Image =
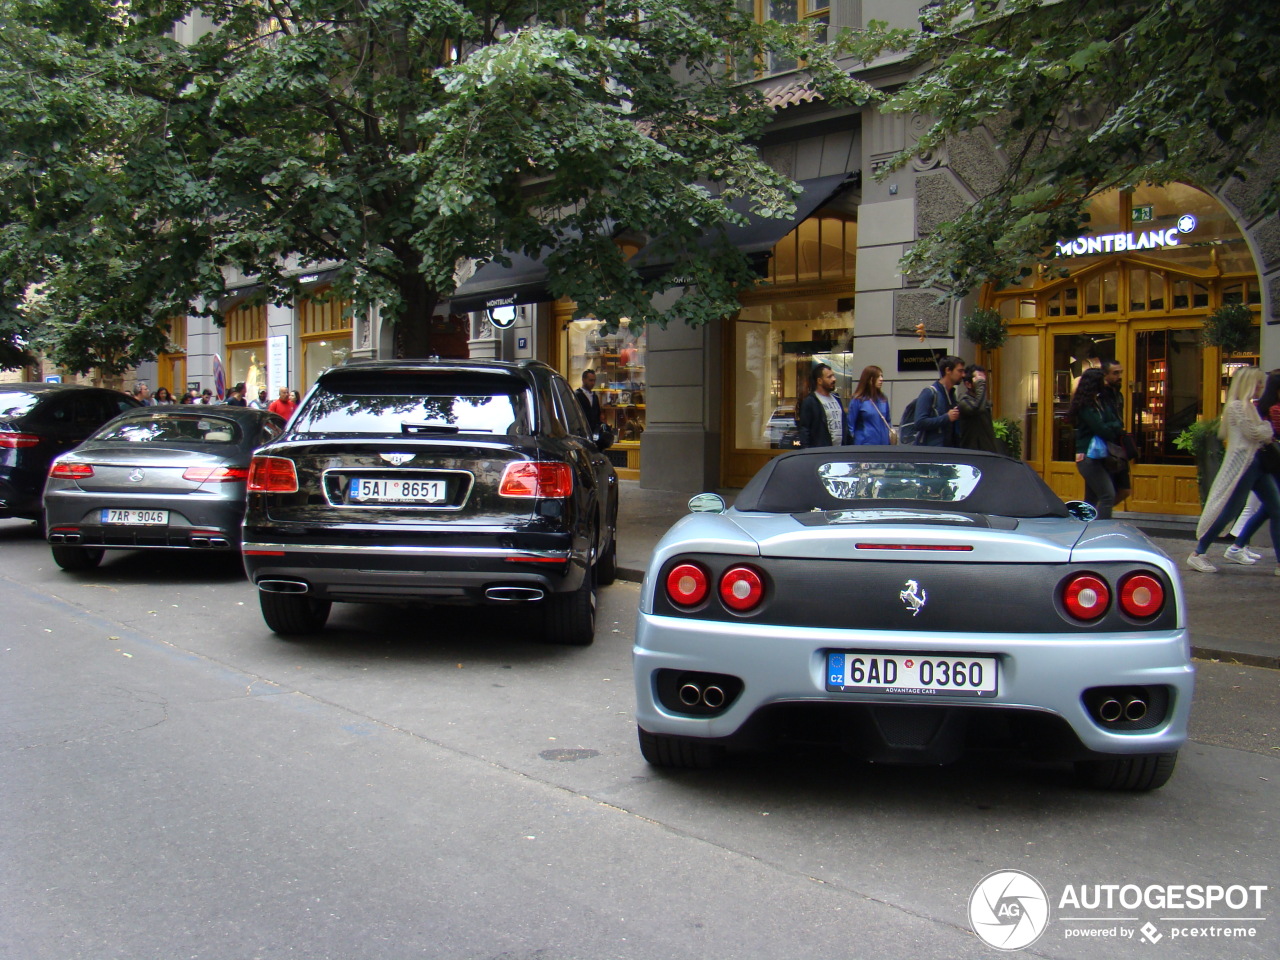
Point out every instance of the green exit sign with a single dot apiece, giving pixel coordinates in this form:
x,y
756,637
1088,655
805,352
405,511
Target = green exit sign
x,y
1143,214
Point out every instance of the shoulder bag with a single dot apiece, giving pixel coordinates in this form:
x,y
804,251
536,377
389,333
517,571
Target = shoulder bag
x,y
893,431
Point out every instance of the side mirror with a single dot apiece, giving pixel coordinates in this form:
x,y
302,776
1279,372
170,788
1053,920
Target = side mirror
x,y
1082,511
707,503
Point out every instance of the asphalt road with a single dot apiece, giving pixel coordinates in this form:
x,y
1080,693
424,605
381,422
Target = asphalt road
x,y
178,782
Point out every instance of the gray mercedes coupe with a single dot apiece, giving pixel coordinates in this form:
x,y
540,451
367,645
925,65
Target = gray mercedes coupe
x,y
909,604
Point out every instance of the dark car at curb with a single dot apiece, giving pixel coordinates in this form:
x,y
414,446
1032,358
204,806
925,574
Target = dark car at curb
x,y
433,482
39,421
162,477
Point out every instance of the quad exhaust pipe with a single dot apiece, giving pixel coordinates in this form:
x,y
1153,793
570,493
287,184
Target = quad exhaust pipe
x,y
710,696
1112,710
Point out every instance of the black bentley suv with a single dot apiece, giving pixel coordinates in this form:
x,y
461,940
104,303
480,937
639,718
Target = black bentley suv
x,y
433,482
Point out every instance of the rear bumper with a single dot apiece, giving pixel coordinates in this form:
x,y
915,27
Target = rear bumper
x,y
389,573
193,524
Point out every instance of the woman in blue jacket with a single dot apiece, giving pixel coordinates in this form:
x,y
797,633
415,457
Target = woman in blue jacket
x,y
868,414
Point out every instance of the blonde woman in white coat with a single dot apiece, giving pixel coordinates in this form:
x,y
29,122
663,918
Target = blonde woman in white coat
x,y
1244,431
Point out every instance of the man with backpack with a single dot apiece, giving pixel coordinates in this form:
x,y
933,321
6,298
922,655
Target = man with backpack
x,y
935,413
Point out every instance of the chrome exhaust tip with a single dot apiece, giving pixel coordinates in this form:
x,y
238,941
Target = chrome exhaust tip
x,y
1135,709
283,586
514,594
690,694
713,697
1109,711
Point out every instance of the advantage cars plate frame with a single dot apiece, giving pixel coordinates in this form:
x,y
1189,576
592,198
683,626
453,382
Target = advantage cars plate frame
x,y
912,673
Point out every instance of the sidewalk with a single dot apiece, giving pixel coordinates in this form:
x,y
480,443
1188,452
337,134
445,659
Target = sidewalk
x,y
1234,614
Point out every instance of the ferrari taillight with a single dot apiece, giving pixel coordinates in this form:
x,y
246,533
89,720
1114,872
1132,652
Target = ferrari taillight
x,y
1086,597
536,478
70,471
272,475
687,584
216,474
1141,595
741,589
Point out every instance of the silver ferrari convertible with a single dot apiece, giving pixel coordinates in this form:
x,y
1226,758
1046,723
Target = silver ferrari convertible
x,y
907,604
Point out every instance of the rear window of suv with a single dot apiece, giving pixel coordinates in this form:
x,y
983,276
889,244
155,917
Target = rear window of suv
x,y
417,403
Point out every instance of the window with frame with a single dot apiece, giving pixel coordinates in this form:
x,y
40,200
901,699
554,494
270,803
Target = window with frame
x,y
816,13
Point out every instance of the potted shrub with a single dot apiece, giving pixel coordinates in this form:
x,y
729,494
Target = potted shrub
x,y
986,328
1202,442
1228,328
1009,433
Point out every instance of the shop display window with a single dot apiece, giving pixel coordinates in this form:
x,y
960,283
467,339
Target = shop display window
x,y
618,359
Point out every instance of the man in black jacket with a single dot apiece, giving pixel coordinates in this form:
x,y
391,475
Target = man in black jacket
x,y
588,399
821,415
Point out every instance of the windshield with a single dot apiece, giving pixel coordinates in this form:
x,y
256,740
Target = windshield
x,y
417,405
172,428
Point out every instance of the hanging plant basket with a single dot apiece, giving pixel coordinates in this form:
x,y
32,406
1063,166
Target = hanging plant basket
x,y
1228,328
986,328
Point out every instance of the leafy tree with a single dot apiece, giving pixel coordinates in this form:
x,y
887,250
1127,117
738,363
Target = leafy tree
x,y
396,139
1081,97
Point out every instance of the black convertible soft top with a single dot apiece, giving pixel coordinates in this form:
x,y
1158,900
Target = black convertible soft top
x,y
845,478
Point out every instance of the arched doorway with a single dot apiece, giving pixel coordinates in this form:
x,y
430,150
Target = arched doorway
x,y
1136,290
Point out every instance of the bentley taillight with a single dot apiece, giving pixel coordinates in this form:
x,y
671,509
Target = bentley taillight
x,y
272,475
1086,597
741,589
687,584
1141,596
10,440
536,478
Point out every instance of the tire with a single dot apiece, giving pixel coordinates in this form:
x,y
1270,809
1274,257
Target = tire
x,y
606,568
291,614
571,617
679,753
77,558
1142,772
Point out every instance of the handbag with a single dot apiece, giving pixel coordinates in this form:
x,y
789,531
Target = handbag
x,y
1109,453
893,431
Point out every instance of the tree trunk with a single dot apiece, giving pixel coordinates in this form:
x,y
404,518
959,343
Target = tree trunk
x,y
413,326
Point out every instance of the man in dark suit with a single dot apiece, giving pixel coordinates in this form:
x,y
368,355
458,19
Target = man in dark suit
x,y
588,400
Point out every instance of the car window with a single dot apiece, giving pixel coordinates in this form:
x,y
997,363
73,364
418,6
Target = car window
x,y
16,403
571,409
172,428
270,430
417,404
873,480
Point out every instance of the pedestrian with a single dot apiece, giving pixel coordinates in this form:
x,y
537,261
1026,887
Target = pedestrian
x,y
237,396
821,415
295,397
977,429
260,402
1244,432
868,415
283,404
1112,376
163,397
1269,407
142,393
1095,424
589,400
935,411
206,396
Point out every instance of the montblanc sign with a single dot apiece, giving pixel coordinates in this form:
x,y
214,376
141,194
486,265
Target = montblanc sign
x,y
1124,242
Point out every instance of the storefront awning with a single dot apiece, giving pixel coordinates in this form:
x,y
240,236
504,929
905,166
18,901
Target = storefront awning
x,y
525,281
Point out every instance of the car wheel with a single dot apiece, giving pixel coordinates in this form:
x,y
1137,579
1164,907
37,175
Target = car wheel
x,y
681,753
1148,771
571,617
77,558
606,568
290,614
